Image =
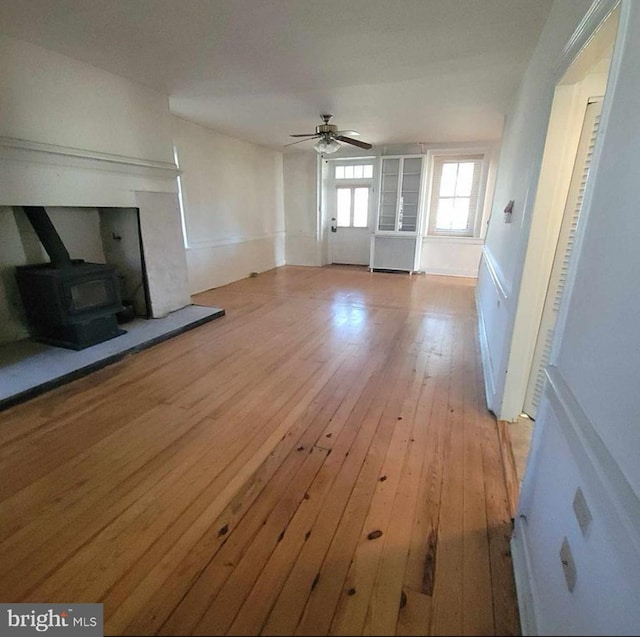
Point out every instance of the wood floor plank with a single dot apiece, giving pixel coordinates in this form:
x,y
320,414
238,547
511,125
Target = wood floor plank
x,y
421,561
476,558
448,575
227,480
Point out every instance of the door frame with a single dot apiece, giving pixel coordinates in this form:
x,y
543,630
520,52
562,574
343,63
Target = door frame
x,y
549,183
330,185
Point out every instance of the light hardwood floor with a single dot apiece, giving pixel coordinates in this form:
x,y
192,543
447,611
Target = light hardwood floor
x,y
320,460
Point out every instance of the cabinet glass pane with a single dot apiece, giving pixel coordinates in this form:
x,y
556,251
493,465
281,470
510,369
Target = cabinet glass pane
x,y
387,219
389,195
389,198
390,184
412,165
409,219
410,183
410,199
390,166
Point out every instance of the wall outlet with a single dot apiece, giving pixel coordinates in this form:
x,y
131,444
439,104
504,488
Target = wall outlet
x,y
568,565
583,514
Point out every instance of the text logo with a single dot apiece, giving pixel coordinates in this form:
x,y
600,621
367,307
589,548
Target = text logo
x,y
79,620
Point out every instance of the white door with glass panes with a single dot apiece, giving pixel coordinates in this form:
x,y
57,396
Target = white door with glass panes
x,y
350,187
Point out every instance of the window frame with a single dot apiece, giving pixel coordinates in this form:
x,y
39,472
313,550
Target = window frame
x,y
474,229
352,204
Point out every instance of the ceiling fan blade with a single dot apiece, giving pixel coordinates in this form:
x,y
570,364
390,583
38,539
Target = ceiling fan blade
x,y
303,135
302,140
349,133
355,142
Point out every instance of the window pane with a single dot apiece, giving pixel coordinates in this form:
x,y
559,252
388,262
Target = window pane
x,y
357,172
465,179
344,207
339,172
368,171
448,180
445,213
453,213
348,172
361,208
460,220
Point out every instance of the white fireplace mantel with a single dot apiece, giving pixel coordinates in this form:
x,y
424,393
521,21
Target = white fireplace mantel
x,y
41,174
24,150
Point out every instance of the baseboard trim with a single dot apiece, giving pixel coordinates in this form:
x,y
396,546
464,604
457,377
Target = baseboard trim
x,y
521,567
509,464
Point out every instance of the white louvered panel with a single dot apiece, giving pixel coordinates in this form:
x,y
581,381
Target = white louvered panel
x,y
562,279
562,259
394,253
539,386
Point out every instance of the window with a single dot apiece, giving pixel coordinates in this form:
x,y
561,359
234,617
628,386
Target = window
x,y
457,193
352,205
354,171
353,181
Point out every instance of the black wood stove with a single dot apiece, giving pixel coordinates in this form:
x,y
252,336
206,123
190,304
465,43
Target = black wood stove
x,y
68,302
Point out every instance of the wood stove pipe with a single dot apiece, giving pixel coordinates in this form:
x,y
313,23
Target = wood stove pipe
x,y
48,236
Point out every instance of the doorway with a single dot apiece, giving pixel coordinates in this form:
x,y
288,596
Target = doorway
x,y
564,248
349,197
585,76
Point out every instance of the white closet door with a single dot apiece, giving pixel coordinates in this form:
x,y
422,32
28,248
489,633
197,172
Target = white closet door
x,y
564,248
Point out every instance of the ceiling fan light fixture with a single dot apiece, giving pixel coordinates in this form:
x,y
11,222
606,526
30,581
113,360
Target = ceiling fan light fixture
x,y
326,147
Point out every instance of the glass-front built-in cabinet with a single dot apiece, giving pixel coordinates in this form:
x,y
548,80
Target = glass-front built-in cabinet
x,y
396,243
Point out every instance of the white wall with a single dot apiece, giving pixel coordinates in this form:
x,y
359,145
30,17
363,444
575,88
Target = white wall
x,y
53,99
301,208
232,193
451,256
586,434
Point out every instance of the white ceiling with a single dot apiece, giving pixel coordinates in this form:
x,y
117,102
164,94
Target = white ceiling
x,y
397,71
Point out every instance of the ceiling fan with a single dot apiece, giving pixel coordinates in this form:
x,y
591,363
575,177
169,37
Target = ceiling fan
x,y
329,137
